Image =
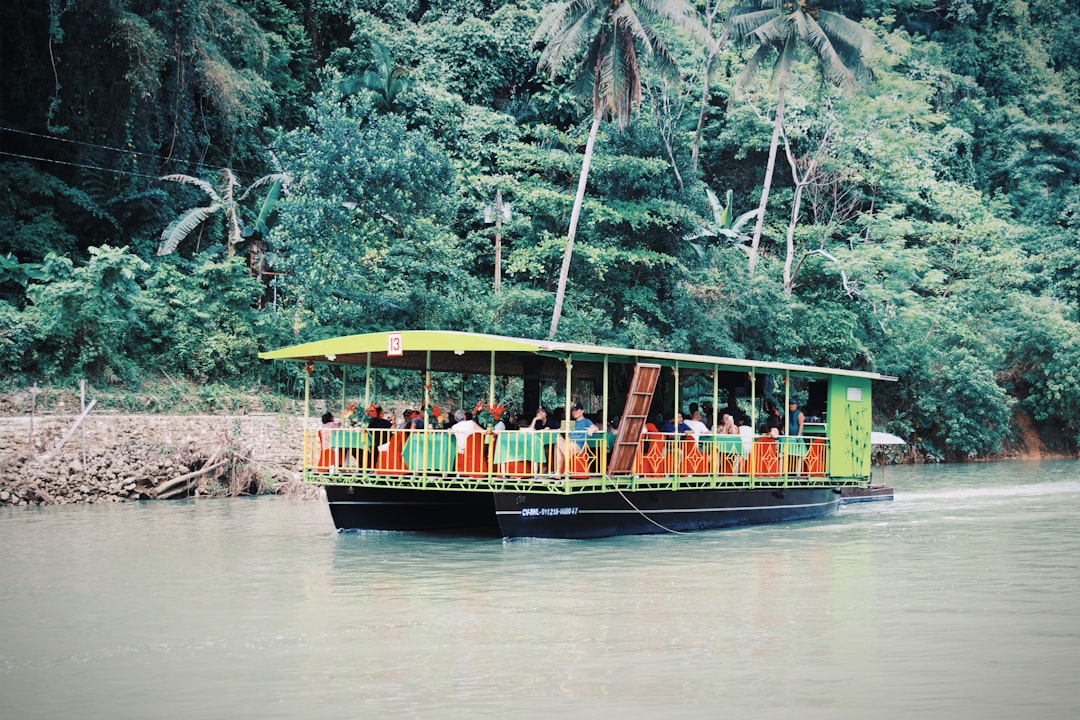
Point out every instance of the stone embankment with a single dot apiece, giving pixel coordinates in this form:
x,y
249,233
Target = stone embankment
x,y
115,458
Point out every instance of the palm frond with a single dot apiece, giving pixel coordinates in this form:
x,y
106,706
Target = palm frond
x,y
775,32
660,59
571,28
714,204
203,185
838,27
752,66
228,196
832,66
182,226
269,202
742,26
788,56
279,178
852,42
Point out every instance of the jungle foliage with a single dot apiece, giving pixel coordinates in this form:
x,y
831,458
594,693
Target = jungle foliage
x,y
187,182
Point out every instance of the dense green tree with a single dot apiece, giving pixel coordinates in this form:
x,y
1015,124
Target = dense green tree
x,y
362,236
198,334
88,318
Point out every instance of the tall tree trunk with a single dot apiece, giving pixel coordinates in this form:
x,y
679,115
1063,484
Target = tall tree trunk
x,y
796,208
710,55
575,214
665,136
777,124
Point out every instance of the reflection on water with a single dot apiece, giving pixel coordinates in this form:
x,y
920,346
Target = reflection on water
x,y
959,598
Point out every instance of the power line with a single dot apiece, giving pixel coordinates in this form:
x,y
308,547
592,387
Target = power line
x,y
134,153
78,165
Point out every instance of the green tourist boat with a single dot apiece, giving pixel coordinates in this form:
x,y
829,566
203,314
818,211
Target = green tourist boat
x,y
609,468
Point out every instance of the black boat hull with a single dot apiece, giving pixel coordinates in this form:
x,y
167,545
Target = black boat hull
x,y
578,515
649,512
360,508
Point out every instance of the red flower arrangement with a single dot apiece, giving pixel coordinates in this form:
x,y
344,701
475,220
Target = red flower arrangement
x,y
487,415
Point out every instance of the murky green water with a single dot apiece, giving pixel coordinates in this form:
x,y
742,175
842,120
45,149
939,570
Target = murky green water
x,y
960,599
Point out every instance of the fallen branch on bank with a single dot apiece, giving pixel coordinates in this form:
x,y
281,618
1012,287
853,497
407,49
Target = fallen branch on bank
x,y
183,485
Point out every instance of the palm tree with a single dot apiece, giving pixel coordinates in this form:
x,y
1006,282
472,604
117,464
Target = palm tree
x,y
839,44
612,38
387,80
223,201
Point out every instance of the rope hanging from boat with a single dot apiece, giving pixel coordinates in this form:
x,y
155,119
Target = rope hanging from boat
x,y
642,514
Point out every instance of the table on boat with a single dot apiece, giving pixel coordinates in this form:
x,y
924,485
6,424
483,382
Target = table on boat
x,y
524,445
349,438
430,451
729,444
795,446
595,441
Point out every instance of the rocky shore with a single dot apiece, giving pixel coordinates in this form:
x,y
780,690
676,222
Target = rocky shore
x,y
53,459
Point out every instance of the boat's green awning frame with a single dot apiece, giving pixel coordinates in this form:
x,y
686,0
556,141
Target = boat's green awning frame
x,y
463,352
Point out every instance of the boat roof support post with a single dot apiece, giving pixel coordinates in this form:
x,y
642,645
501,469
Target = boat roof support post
x,y
367,383
344,377
715,394
678,399
753,400
427,388
491,381
569,362
307,393
787,402
604,412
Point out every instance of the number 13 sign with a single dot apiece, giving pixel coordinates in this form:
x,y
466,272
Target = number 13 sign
x,y
393,345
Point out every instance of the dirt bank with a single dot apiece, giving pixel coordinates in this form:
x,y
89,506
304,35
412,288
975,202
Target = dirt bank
x,y
113,458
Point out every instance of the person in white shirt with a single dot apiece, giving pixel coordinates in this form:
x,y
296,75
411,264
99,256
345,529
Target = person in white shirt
x,y
462,429
746,434
697,427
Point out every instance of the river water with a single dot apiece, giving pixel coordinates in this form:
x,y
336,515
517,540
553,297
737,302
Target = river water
x,y
960,599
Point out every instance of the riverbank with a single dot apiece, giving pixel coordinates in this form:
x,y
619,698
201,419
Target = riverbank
x,y
54,459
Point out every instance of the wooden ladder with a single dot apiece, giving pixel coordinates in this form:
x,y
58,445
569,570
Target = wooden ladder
x,y
634,416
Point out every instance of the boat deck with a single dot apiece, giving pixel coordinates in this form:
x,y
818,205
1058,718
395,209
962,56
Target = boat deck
x,y
524,462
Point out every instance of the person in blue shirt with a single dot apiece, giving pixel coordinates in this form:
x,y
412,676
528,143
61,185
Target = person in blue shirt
x,y
796,448
670,426
795,419
575,439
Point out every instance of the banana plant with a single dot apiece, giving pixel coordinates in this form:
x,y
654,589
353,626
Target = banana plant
x,y
722,226
224,201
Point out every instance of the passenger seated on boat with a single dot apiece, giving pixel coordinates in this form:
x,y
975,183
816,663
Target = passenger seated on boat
x,y
574,441
697,427
675,424
542,420
411,420
379,427
462,428
707,414
746,435
328,456
727,425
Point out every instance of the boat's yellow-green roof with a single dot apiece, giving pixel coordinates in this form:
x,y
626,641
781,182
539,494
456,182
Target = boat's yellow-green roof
x,y
454,351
